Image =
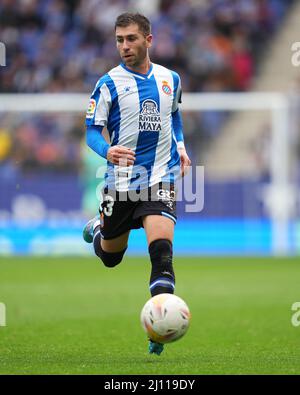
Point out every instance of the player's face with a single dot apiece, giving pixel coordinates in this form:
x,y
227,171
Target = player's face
x,y
132,45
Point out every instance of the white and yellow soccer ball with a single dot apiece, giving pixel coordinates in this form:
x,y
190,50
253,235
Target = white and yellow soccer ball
x,y
165,318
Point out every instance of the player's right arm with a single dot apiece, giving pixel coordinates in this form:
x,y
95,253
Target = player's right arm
x,y
96,119
116,154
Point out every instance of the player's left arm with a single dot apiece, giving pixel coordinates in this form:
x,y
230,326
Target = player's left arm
x,y
177,123
185,161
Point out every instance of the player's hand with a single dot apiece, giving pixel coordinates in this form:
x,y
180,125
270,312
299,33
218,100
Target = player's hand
x,y
185,161
120,155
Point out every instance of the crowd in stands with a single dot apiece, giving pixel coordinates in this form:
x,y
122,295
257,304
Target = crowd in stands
x,y
43,142
64,46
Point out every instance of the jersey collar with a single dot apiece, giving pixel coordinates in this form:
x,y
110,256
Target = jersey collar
x,y
140,75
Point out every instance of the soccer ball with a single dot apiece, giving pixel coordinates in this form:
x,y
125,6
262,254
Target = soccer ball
x,y
165,318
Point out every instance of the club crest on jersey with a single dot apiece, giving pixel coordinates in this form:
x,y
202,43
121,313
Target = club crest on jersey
x,y
149,119
91,108
166,88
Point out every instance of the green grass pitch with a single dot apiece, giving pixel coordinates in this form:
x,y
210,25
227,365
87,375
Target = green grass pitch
x,y
74,316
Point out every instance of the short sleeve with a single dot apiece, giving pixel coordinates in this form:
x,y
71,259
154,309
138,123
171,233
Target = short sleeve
x,y
99,106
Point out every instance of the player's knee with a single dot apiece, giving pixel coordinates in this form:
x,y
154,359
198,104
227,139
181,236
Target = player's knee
x,y
111,259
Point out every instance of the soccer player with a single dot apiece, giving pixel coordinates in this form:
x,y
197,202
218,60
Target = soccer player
x,y
137,102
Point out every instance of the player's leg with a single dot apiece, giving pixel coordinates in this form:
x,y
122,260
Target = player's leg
x,y
109,231
111,251
160,232
159,216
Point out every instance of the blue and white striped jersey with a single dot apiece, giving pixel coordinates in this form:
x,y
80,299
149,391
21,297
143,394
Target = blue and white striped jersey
x,y
137,111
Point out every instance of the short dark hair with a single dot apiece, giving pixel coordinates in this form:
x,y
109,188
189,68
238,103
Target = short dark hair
x,y
129,18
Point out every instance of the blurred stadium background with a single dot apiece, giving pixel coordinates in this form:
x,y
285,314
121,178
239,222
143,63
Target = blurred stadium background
x,y
248,145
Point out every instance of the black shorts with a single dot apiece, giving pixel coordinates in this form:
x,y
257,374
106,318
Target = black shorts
x,y
122,211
